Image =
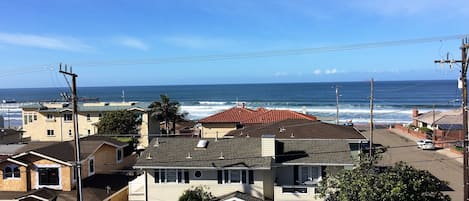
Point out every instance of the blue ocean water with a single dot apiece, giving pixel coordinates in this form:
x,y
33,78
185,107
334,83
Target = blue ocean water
x,y
393,100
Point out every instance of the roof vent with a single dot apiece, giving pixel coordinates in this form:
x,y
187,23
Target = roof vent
x,y
282,129
157,143
148,156
202,144
189,156
292,135
221,156
247,135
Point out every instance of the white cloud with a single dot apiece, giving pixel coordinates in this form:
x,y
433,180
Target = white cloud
x,y
132,42
317,72
46,42
331,71
197,42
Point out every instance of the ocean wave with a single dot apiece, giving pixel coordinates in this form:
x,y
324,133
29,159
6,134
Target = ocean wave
x,y
213,102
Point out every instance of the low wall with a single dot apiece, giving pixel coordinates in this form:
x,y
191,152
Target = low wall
x,y
121,195
440,138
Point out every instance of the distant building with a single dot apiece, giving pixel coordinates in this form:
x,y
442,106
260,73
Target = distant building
x,y
10,136
53,121
445,125
220,124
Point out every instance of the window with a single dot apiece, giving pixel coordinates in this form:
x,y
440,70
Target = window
x,y
30,118
100,115
171,176
89,132
11,171
35,117
88,117
91,166
48,176
119,155
70,132
235,176
198,174
50,117
67,117
25,118
50,132
310,174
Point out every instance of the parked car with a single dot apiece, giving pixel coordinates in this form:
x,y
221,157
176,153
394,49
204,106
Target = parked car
x,y
425,144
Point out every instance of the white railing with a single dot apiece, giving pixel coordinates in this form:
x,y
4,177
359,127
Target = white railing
x,y
137,188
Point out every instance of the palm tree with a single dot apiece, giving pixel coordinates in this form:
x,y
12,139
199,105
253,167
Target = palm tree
x,y
166,110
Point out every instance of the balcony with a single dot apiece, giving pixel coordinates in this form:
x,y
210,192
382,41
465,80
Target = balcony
x,y
295,192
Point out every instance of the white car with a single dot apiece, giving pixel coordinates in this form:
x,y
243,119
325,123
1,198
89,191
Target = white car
x,y
425,144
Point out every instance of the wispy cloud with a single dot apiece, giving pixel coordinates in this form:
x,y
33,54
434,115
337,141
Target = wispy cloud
x,y
317,72
46,42
131,42
330,71
326,71
197,42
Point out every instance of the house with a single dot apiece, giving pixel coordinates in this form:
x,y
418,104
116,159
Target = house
x,y
53,121
52,165
10,136
275,166
445,125
220,124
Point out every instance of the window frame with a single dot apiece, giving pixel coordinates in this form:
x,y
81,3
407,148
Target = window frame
x,y
121,151
244,176
310,174
91,167
181,176
12,175
50,133
68,117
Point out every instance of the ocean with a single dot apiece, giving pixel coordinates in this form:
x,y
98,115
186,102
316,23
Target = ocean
x,y
393,100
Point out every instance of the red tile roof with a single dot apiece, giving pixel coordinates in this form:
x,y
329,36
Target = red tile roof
x,y
258,116
271,116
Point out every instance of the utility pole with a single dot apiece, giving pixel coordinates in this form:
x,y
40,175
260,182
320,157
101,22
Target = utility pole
x,y
463,80
337,104
371,119
75,129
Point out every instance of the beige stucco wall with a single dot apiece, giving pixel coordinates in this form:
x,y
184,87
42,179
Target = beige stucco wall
x,y
13,184
209,130
37,129
158,191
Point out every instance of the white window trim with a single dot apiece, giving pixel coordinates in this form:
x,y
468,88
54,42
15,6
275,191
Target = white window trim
x,y
117,155
240,177
53,133
310,173
94,166
166,176
57,187
67,120
12,172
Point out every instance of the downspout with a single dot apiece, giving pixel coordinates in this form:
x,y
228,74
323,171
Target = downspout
x,y
146,186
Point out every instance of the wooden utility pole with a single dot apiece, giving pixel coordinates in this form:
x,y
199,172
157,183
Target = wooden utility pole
x,y
371,118
337,104
75,130
463,80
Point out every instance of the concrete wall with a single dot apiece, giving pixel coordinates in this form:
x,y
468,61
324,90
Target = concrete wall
x,y
121,195
14,184
209,130
172,191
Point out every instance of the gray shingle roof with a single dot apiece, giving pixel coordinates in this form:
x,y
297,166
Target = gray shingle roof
x,y
173,152
301,129
313,151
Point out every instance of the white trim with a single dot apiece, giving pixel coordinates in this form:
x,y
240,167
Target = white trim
x,y
12,167
35,197
310,170
177,171
94,166
117,155
57,187
49,158
17,162
200,168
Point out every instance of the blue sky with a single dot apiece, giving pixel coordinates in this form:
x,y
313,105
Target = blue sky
x,y
97,37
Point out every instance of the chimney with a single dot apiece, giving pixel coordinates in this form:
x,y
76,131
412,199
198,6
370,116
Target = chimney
x,y
268,145
415,114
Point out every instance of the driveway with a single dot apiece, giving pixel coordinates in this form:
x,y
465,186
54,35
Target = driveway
x,y
403,149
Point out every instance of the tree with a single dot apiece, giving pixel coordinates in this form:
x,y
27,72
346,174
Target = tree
x,y
167,111
119,122
372,183
198,193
